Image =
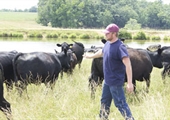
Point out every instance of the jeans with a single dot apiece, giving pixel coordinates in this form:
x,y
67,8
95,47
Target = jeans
x,y
117,94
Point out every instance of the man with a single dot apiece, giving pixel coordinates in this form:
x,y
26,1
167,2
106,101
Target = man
x,y
116,64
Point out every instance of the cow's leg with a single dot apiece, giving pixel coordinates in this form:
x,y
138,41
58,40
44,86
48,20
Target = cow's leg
x,y
166,71
92,85
61,73
147,84
53,82
5,107
79,63
134,85
163,75
9,85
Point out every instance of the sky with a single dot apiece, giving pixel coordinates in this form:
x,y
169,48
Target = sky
x,y
26,4
17,4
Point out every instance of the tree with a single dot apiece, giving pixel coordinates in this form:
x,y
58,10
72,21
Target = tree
x,y
132,25
33,9
100,13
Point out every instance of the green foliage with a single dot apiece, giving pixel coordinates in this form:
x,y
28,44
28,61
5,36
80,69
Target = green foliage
x,y
98,14
73,35
35,35
166,38
38,35
140,36
156,38
132,25
84,36
99,37
11,34
64,35
52,35
125,34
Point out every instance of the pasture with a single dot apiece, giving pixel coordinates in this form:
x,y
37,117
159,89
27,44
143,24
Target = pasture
x,y
70,99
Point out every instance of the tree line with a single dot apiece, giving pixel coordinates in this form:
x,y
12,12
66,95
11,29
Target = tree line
x,y
99,13
32,9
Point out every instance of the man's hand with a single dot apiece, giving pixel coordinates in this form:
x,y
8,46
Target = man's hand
x,y
130,87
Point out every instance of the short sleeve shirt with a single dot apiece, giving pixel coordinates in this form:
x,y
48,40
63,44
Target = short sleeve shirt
x,y
113,67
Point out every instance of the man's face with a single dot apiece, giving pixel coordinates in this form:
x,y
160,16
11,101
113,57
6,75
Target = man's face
x,y
110,36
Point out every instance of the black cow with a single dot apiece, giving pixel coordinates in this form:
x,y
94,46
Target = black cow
x,y
6,61
164,52
4,104
96,78
78,49
142,62
67,47
40,67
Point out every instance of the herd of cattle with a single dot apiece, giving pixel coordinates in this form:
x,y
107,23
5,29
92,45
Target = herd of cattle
x,y
41,67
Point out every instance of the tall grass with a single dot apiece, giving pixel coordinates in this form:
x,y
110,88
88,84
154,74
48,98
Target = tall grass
x,y
70,99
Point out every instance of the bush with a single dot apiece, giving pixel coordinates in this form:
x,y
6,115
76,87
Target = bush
x,y
38,35
84,36
140,36
4,34
156,38
17,35
31,35
166,38
52,35
99,37
63,36
72,35
124,34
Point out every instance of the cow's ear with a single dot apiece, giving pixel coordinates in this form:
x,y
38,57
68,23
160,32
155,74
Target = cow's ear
x,y
59,45
104,41
159,51
122,39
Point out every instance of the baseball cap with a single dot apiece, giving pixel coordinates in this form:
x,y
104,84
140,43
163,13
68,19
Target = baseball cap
x,y
111,28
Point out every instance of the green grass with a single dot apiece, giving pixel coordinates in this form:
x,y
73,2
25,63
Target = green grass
x,y
18,16
18,20
70,99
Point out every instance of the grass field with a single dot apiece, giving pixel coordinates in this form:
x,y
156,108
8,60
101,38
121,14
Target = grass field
x,y
70,99
19,20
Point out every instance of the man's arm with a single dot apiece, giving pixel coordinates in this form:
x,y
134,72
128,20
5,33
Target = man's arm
x,y
127,64
95,55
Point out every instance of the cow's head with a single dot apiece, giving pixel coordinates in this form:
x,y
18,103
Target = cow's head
x,y
67,60
64,46
155,53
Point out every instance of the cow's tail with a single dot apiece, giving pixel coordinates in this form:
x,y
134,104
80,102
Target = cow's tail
x,y
14,66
